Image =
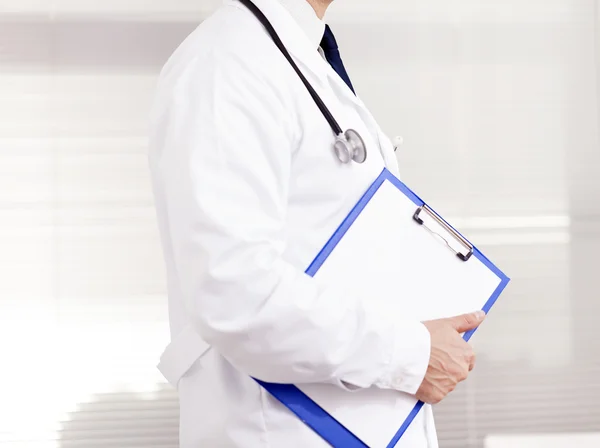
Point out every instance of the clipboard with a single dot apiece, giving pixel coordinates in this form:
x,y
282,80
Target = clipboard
x,y
391,232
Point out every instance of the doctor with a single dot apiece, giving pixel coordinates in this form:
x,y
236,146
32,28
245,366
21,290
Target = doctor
x,y
248,189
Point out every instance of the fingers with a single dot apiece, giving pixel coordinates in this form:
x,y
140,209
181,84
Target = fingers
x,y
467,322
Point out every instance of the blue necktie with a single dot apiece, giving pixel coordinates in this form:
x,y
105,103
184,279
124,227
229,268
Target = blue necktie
x,y
332,54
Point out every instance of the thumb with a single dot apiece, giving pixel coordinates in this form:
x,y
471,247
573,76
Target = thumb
x,y
467,322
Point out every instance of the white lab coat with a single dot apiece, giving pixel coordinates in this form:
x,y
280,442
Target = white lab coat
x,y
248,189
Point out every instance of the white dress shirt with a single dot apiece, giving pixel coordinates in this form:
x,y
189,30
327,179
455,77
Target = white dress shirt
x,y
307,18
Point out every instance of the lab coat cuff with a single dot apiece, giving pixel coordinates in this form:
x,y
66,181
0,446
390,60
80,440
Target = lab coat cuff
x,y
410,359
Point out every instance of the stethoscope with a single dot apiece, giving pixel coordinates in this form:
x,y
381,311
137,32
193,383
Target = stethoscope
x,y
348,145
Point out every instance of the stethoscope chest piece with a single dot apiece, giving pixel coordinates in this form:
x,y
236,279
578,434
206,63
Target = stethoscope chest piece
x,y
350,147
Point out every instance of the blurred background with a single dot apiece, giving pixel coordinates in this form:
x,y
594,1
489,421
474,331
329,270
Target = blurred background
x,y
497,102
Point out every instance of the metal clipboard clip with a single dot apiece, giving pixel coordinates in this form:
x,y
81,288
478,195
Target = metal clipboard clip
x,y
437,227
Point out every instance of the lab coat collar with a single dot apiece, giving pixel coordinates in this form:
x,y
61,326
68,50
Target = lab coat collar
x,y
302,48
295,39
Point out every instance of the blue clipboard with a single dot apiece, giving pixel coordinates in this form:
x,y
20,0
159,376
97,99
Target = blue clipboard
x,y
309,412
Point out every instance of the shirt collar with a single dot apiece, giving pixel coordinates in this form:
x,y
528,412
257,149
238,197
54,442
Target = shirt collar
x,y
307,19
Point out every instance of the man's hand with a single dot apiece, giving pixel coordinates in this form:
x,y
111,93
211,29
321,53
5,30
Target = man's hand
x,y
451,357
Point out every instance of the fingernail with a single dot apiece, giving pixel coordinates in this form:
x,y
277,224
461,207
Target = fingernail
x,y
480,314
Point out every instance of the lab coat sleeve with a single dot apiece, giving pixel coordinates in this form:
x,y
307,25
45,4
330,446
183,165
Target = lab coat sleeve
x,y
227,139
